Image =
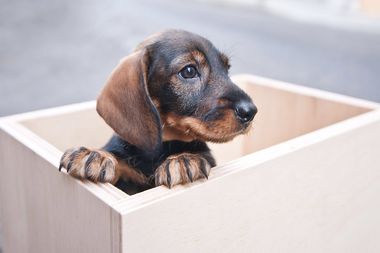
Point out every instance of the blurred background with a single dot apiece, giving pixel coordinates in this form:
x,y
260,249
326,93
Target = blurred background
x,y
61,52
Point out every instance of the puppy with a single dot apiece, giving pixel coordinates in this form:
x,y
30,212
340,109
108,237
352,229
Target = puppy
x,y
164,101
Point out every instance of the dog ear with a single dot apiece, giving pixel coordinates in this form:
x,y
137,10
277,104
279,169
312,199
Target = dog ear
x,y
126,106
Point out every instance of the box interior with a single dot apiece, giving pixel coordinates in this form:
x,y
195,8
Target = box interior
x,y
281,191
283,114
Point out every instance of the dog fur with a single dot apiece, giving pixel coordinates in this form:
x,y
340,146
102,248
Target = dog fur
x,y
164,102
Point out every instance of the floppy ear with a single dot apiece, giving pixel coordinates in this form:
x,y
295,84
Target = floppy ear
x,y
126,106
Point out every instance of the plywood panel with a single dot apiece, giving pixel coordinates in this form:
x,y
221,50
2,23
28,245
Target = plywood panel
x,y
43,210
72,129
286,111
318,193
322,197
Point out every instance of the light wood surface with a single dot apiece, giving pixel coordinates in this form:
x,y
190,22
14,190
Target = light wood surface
x,y
319,193
286,111
43,210
82,127
314,189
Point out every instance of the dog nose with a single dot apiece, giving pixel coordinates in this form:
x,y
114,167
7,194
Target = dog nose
x,y
245,111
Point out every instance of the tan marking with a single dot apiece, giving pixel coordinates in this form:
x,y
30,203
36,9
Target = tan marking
x,y
178,171
175,169
183,172
130,174
189,128
78,164
183,60
198,57
161,175
171,133
114,168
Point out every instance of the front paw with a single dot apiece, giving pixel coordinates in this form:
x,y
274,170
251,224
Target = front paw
x,y
182,169
95,165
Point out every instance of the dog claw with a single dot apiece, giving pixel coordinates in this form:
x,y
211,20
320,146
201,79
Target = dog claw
x,y
203,168
102,175
169,177
68,168
188,170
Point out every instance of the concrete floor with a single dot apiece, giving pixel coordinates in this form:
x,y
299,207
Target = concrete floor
x,y
57,52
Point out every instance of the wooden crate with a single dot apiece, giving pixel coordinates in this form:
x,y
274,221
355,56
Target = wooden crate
x,y
305,180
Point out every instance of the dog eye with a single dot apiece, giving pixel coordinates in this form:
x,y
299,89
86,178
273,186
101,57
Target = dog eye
x,y
188,72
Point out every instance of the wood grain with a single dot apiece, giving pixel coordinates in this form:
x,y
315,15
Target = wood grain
x,y
322,197
43,210
305,180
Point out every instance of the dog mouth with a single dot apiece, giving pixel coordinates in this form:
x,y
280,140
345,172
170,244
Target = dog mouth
x,y
217,128
220,134
218,137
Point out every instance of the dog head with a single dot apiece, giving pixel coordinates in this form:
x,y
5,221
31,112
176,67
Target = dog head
x,y
174,86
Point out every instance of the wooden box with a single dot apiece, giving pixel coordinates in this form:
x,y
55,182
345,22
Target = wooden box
x,y
307,179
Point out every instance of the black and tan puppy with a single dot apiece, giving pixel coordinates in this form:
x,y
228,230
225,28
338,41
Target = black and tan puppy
x,y
164,101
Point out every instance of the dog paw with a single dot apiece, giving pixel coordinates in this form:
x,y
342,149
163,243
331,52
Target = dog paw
x,y
94,165
181,169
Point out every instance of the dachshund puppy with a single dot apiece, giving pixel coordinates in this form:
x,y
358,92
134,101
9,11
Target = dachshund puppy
x,y
164,101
